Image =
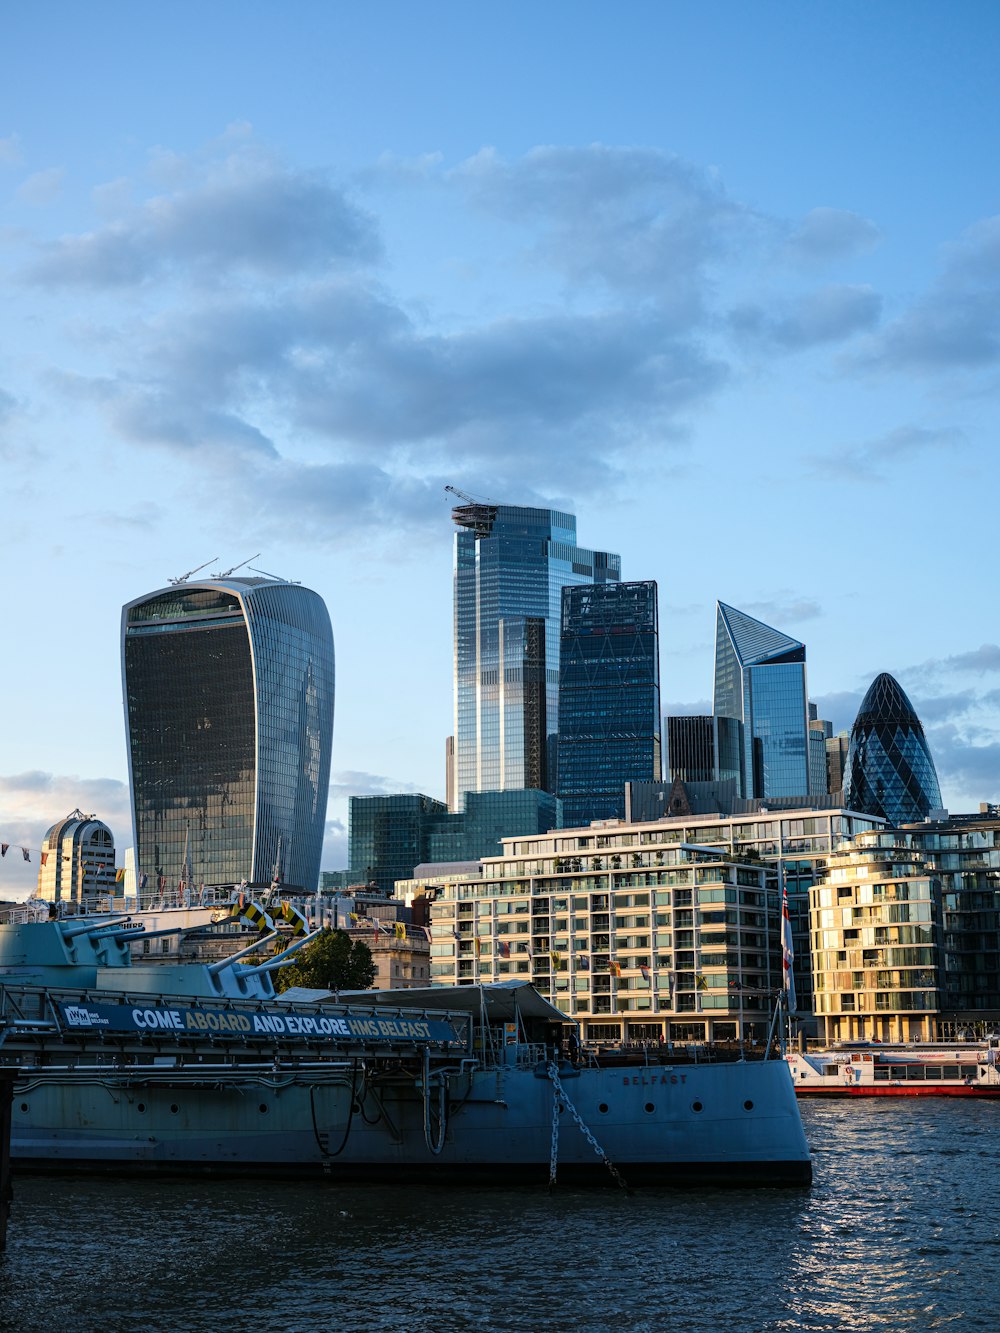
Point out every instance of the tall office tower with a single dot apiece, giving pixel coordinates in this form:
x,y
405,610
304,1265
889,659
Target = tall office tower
x,y
511,565
609,697
760,679
836,761
691,748
229,714
820,732
890,772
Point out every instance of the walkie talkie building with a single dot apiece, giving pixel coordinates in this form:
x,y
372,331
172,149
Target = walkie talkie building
x,y
229,689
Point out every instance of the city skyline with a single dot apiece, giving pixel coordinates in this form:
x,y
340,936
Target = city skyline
x,y
739,320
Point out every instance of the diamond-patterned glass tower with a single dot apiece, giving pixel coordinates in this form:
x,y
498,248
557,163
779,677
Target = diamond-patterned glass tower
x,y
760,679
609,697
889,770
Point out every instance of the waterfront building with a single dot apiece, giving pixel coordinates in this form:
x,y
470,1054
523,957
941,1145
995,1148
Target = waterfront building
x,y
511,565
906,933
606,888
890,772
229,692
389,835
77,861
609,697
760,679
638,942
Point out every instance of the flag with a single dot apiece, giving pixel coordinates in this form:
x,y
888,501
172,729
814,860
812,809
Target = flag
x,y
353,916
787,952
45,857
504,949
479,946
375,926
615,969
400,930
4,848
556,960
25,853
527,950
142,881
645,973
736,985
119,874
163,885
455,933
427,932
699,981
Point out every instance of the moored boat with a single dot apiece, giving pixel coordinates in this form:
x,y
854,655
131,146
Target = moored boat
x,y
940,1069
179,1067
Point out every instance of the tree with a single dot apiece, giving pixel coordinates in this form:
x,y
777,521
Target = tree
x,y
332,962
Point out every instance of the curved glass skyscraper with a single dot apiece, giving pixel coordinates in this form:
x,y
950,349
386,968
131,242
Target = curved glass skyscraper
x,y
229,687
889,770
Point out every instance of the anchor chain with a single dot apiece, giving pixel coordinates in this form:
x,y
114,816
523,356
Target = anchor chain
x,y
560,1095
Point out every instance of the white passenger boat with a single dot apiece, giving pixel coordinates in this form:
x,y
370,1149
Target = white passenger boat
x,y
180,1067
939,1069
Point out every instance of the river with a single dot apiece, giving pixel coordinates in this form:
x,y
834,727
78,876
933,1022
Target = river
x,y
901,1230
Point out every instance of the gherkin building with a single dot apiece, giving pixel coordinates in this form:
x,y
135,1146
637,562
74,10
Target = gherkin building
x,y
889,770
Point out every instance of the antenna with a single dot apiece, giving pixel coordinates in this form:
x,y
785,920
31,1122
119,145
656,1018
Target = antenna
x,y
277,577
224,573
184,577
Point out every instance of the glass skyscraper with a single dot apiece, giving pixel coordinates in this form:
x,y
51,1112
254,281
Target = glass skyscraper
x,y
609,697
889,770
511,565
760,679
229,687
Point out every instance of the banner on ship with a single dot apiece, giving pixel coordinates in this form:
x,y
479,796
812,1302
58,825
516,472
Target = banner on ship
x,y
185,1020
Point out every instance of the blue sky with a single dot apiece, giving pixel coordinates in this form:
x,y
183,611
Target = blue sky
x,y
721,278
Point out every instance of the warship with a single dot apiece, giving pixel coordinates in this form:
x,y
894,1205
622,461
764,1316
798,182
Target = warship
x,y
201,1067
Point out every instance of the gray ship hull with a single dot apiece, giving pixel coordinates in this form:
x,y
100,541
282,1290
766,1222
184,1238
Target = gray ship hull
x,y
731,1123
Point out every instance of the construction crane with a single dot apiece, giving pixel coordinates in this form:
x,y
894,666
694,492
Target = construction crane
x,y
184,577
469,499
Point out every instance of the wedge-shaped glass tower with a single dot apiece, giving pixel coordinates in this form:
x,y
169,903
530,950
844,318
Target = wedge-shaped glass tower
x,y
229,710
889,770
760,680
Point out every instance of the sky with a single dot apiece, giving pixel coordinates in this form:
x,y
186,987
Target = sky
x,y
721,279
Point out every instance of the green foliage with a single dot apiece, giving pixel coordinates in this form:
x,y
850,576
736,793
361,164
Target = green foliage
x,y
332,962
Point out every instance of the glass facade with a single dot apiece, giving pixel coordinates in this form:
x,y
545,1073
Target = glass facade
x,y
609,697
390,835
889,770
704,749
229,691
760,680
511,565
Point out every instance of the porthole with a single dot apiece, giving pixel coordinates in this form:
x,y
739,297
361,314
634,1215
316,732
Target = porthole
x,y
24,1106
603,1108
748,1106
262,1108
141,1106
174,1108
697,1106
648,1107
356,1108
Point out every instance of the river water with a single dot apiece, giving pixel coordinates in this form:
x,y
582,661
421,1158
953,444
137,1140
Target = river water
x,y
901,1230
